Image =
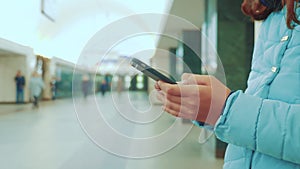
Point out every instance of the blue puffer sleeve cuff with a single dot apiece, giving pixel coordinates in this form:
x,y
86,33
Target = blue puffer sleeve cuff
x,y
203,125
239,116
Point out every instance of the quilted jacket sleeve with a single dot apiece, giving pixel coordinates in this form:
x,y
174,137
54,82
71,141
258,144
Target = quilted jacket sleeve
x,y
267,126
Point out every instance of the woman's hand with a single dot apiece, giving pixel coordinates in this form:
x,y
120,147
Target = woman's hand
x,y
196,97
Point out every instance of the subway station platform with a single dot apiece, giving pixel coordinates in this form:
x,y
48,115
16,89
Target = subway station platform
x,y
51,137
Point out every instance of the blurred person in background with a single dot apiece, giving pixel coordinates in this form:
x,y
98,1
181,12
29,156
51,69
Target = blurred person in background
x,y
260,125
20,84
85,85
53,88
103,87
120,85
36,86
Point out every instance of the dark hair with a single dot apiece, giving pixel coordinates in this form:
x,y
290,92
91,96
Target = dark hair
x,y
261,9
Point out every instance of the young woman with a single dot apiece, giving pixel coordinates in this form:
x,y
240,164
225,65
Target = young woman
x,y
262,124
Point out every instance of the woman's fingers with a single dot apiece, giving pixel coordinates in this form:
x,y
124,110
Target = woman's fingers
x,y
184,111
178,90
190,79
186,76
172,112
185,107
156,86
160,96
167,88
203,100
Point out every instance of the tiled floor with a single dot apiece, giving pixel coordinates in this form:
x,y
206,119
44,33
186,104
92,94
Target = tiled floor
x,y
52,137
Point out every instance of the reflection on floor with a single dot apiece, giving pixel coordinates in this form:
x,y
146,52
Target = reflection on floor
x,y
52,137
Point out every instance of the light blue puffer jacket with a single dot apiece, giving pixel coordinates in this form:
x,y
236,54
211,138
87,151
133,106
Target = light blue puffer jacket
x,y
262,125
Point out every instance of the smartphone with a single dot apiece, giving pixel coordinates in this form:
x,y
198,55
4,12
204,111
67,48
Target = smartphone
x,y
149,71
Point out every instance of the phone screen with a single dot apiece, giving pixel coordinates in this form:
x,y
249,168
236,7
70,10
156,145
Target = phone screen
x,y
149,71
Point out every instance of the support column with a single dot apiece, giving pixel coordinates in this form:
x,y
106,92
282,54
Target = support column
x,y
235,46
173,63
192,51
46,75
